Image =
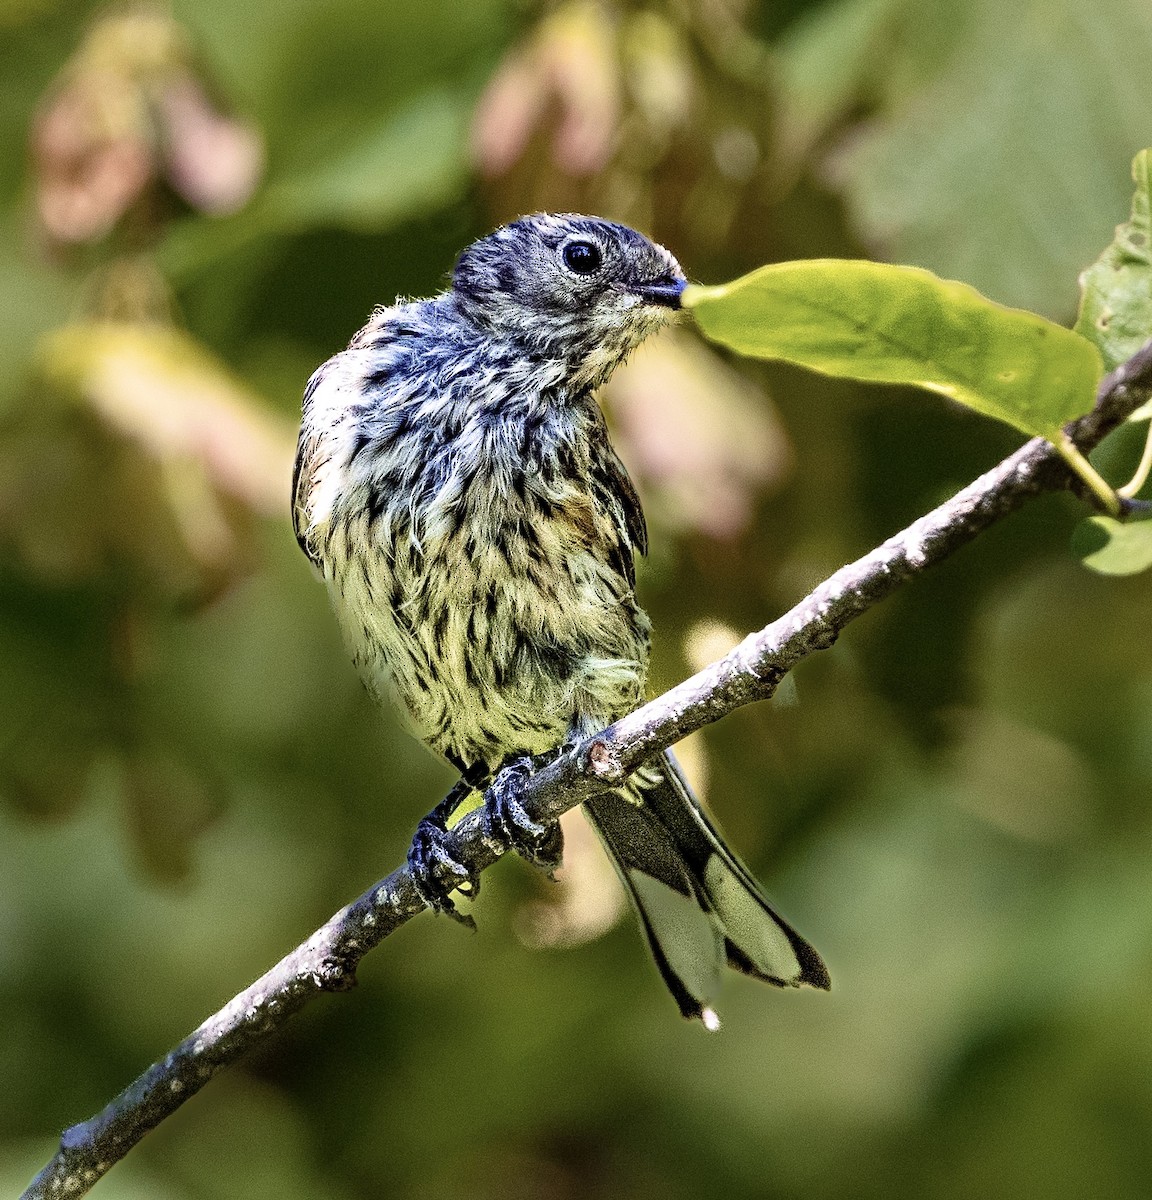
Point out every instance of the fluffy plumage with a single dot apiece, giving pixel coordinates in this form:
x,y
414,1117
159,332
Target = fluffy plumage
x,y
457,489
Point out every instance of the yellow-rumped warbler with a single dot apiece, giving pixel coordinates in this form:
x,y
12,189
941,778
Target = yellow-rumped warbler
x,y
457,489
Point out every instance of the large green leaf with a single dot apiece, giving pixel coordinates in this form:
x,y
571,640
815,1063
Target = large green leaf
x,y
1116,291
889,324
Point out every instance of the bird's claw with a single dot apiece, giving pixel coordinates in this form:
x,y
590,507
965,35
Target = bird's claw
x,y
505,817
436,874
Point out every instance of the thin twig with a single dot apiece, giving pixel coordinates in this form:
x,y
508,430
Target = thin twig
x,y
327,961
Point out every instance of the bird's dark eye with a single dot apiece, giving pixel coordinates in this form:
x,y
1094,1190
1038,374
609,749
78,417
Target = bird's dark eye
x,y
584,258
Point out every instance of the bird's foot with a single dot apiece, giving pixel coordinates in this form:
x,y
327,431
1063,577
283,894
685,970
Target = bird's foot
x,y
435,873
541,844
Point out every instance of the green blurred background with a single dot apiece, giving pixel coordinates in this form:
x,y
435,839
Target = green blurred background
x,y
200,203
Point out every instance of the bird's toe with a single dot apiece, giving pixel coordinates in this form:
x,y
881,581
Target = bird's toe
x,y
436,874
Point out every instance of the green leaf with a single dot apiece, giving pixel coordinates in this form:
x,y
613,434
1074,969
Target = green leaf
x,y
888,324
1116,291
1111,547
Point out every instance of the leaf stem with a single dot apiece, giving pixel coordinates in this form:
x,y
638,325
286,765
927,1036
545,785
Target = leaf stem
x,y
1100,487
1142,471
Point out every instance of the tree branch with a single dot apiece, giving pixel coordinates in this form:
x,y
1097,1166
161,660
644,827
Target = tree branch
x,y
327,961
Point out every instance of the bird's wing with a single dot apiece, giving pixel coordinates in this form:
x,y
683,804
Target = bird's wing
x,y
617,490
634,523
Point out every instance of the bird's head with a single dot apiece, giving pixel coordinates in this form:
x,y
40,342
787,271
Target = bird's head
x,y
568,288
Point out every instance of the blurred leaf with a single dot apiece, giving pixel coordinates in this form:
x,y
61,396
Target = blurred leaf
x,y
31,301
658,71
382,172
253,1132
15,12
170,803
411,160
824,64
999,166
1022,780
135,448
887,324
54,693
44,768
1111,547
1116,291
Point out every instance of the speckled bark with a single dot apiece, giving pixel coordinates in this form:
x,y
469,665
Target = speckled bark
x,y
327,961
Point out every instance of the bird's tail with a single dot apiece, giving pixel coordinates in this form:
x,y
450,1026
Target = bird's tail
x,y
698,904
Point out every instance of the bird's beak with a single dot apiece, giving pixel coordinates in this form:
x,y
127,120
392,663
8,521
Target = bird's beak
x,y
665,291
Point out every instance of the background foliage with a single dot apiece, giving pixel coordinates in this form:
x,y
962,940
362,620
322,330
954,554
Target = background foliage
x,y
202,202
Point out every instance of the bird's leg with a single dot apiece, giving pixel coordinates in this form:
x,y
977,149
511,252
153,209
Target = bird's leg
x,y
435,873
541,845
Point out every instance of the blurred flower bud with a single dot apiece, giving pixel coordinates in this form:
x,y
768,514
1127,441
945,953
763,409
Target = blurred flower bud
x,y
126,114
708,641
703,440
567,72
213,161
656,116
91,164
